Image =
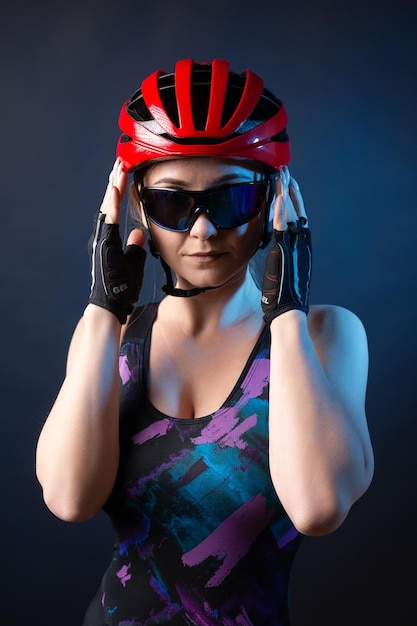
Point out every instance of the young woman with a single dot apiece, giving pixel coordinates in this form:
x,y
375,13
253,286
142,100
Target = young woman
x,y
220,425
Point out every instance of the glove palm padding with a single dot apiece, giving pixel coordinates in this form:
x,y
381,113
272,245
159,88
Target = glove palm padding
x,y
116,275
286,283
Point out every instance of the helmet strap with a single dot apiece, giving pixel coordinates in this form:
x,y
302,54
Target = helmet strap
x,y
169,288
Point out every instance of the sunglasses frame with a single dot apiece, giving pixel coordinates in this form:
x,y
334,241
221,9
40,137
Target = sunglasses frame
x,y
200,207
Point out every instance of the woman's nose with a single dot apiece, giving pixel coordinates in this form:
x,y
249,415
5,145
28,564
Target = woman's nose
x,y
203,227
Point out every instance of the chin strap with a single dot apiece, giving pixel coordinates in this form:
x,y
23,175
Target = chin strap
x,y
169,288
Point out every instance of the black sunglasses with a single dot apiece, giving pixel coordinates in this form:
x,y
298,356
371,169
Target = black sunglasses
x,y
229,206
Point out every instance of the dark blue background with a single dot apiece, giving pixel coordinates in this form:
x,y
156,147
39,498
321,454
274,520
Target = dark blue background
x,y
347,74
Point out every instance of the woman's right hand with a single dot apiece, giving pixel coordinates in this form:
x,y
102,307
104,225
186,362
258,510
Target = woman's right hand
x,y
116,275
113,196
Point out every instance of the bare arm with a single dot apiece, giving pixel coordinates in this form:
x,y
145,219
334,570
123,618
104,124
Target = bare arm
x,y
320,453
321,457
78,448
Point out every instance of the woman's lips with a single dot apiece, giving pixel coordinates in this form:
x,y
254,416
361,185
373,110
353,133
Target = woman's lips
x,y
206,257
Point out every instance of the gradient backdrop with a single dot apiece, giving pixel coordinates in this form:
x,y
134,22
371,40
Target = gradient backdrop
x,y
347,75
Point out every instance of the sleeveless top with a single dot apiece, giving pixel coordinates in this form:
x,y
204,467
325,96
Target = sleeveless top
x,y
201,536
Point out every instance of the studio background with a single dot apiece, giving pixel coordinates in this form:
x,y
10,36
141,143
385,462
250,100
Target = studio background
x,y
346,73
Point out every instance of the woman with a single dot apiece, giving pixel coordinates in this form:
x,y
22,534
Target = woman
x,y
234,422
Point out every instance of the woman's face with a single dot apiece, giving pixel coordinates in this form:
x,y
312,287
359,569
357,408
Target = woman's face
x,y
205,255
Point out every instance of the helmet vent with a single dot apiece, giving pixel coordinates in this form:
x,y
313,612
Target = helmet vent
x,y
282,136
137,108
233,96
200,94
169,97
266,108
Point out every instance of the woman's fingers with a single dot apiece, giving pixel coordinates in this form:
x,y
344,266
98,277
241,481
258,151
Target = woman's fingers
x,y
113,196
137,237
289,204
297,199
284,210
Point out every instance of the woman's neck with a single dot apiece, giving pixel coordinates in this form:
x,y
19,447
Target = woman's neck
x,y
235,303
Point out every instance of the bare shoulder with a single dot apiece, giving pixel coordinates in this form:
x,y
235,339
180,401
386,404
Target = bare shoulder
x,y
329,324
340,341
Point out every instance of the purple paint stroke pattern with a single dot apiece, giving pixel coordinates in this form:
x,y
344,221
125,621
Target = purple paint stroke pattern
x,y
157,429
252,517
226,418
124,574
124,370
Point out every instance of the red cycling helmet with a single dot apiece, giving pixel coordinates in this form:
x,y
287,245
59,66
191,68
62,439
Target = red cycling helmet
x,y
203,109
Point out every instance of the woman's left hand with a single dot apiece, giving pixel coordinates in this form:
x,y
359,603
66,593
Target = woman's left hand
x,y
287,277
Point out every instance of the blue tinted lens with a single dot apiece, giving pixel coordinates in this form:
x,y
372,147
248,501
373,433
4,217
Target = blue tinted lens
x,y
169,208
237,204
